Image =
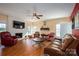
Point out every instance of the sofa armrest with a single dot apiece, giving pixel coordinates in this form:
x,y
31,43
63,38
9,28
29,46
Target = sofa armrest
x,y
53,51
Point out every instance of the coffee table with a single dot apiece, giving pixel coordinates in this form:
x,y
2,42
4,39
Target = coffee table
x,y
38,41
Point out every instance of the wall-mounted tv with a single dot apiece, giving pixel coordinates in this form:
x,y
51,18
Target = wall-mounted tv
x,y
18,25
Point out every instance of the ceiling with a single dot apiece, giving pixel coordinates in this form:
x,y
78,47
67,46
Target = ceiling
x,y
48,10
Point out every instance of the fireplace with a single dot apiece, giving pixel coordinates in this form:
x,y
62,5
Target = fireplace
x,y
18,35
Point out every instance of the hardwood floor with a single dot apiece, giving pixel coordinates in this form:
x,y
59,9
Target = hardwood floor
x,y
24,48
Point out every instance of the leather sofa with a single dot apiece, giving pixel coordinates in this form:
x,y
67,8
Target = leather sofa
x,y
75,32
58,48
7,39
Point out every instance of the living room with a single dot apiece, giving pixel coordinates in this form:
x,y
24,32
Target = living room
x,y
31,21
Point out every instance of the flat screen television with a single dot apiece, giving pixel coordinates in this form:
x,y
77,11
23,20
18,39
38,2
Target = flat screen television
x,y
18,25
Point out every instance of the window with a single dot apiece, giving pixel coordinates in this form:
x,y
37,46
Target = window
x,y
31,30
34,29
58,30
2,27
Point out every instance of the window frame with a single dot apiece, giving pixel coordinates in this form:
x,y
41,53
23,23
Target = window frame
x,y
5,26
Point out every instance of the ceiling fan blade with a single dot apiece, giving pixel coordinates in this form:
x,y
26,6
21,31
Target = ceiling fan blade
x,y
37,17
40,15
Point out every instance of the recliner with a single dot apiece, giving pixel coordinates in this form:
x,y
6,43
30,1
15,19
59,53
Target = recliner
x,y
7,39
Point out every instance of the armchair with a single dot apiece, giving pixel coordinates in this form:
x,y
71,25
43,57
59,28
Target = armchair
x,y
7,39
36,35
51,36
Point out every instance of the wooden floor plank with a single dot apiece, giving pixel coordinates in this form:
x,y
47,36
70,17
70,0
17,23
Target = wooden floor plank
x,y
24,48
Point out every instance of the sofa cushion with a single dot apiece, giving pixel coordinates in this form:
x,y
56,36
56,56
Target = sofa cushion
x,y
67,40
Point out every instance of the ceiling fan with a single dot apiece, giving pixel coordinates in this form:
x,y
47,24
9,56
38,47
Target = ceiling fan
x,y
37,15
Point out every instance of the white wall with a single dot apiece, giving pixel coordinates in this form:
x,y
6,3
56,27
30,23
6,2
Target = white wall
x,y
13,30
9,22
